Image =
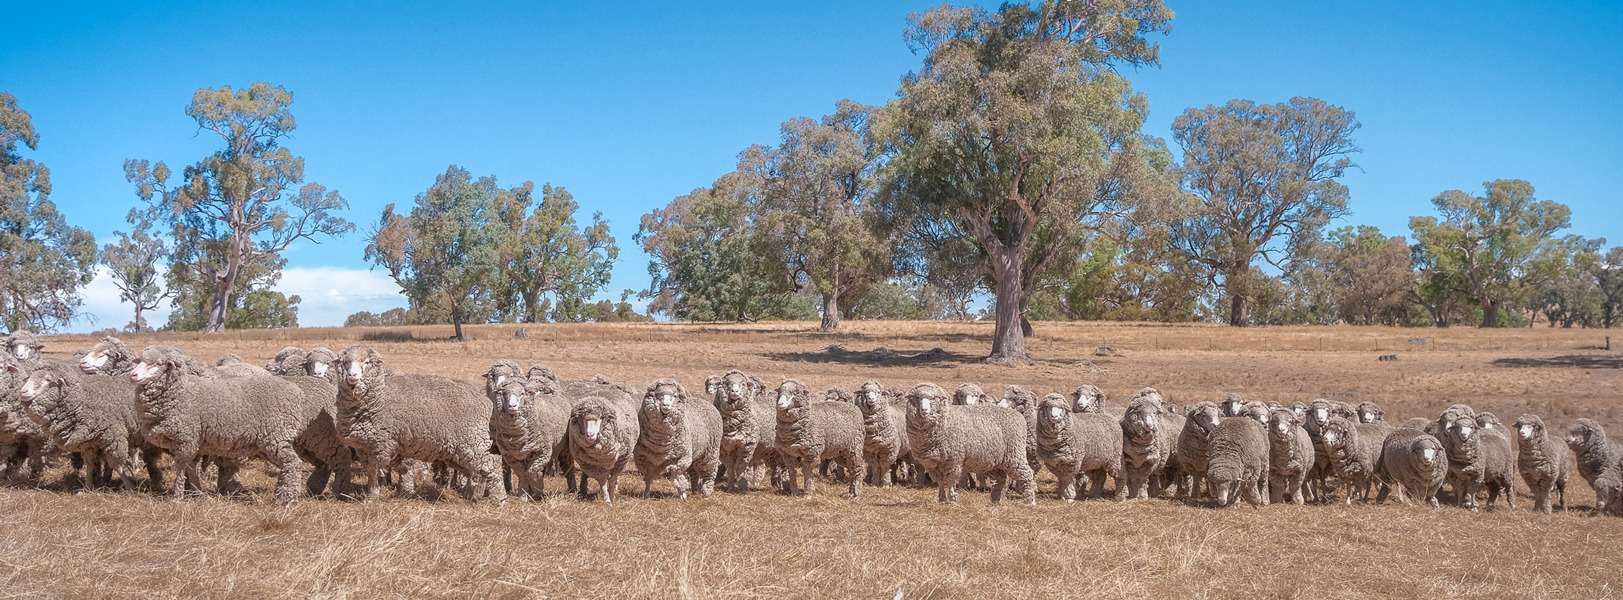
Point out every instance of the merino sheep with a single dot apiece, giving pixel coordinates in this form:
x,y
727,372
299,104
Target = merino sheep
x,y
93,415
1022,401
1079,445
949,441
1148,442
22,442
748,428
1488,420
386,416
1598,460
531,428
1414,463
1354,450
1319,413
1370,412
884,433
1542,462
1478,458
679,440
1256,411
602,439
288,361
1199,423
809,432
1238,461
968,394
226,417
1088,398
1290,457
1232,405
108,357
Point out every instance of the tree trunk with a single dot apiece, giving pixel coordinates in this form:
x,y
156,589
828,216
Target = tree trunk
x,y
1490,313
1237,289
140,323
831,312
532,305
456,323
1009,340
224,283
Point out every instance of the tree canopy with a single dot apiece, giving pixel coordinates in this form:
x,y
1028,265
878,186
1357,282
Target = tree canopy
x,y
43,260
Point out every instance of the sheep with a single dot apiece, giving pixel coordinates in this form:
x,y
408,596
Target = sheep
x,y
808,432
838,394
1148,440
1370,412
1075,445
384,416
748,428
22,442
1414,463
1290,457
108,357
1256,411
1354,451
93,415
951,440
678,440
1233,405
1598,459
1478,458
1439,428
602,438
1022,401
1088,398
1488,420
968,394
1238,461
1319,412
227,417
1193,439
1299,409
1542,462
288,360
884,433
531,428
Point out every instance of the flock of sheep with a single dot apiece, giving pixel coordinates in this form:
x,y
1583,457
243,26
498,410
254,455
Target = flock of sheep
x,y
349,418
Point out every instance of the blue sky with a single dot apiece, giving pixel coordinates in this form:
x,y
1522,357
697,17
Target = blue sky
x,y
630,104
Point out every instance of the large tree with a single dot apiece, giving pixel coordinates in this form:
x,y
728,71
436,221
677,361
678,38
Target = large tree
x,y
132,262
246,202
1262,180
1018,134
818,187
545,259
43,260
1484,244
1607,272
1370,274
443,253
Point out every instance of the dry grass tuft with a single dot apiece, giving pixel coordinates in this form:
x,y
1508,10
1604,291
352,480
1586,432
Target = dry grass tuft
x,y
893,542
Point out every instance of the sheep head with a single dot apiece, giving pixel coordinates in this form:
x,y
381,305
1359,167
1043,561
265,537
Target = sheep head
x,y
1300,410
590,419
1087,398
46,387
160,365
927,404
1585,433
1053,415
734,389
515,397
1338,433
1453,412
1257,411
1487,420
319,363
540,373
362,370
499,373
664,399
1142,420
288,361
24,345
1427,451
1529,427
1020,399
870,397
839,395
968,394
1319,413
1461,439
1233,405
107,355
1369,412
1204,416
1282,424
793,398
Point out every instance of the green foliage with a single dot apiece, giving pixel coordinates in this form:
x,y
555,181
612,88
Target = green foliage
x,y
1263,180
619,312
132,263
391,317
265,309
889,300
239,208
43,260
544,260
1481,247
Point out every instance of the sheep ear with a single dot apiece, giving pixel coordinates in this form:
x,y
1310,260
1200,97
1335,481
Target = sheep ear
x,y
681,393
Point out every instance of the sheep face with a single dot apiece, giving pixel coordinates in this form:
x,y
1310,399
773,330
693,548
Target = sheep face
x,y
106,353
362,369
1087,399
1487,420
1282,425
1369,412
1204,417
1233,405
1141,422
24,346
664,399
1020,399
499,374
158,365
591,418
793,397
1529,427
1300,410
871,397
1583,433
38,385
926,404
734,390
1257,411
968,394
319,362
1319,413
514,398
1462,439
1338,434
1427,452
1053,415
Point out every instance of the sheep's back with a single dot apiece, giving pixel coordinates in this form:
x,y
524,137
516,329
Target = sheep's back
x,y
992,437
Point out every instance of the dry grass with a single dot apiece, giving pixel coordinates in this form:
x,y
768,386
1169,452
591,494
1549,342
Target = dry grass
x,y
893,540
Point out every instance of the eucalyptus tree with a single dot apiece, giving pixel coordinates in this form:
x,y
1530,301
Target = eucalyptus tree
x,y
44,261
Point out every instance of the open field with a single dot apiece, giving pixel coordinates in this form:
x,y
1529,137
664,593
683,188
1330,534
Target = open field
x,y
890,541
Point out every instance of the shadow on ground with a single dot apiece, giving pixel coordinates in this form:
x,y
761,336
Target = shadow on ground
x,y
878,356
1573,361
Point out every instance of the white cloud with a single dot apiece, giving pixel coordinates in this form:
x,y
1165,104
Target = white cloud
x,y
327,295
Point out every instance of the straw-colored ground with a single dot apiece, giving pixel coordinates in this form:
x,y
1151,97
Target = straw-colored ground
x,y
891,542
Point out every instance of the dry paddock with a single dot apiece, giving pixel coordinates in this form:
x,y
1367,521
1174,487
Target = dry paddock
x,y
891,542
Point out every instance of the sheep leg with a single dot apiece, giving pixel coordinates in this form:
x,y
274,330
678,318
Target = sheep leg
x,y
531,480
947,486
317,482
149,456
488,468
807,479
287,473
1252,494
854,466
1066,476
1561,488
1509,490
611,488
185,458
679,481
